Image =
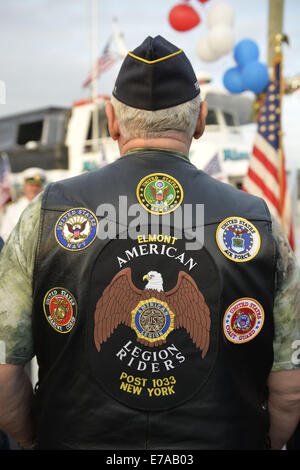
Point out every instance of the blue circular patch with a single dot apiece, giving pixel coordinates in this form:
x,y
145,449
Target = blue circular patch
x,y
76,229
238,239
152,319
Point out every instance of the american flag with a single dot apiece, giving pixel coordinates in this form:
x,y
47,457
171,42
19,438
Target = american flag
x,y
266,175
215,169
105,62
5,190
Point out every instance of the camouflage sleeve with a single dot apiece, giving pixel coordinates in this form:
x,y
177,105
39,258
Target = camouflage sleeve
x,y
286,305
16,268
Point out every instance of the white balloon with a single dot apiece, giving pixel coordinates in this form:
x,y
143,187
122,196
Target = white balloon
x,y
220,12
221,39
205,52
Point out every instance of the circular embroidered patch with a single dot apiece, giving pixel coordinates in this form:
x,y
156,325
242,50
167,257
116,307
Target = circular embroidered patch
x,y
238,239
243,320
152,320
159,193
76,229
60,308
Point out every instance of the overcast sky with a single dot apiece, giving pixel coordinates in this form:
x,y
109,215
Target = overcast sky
x,y
45,44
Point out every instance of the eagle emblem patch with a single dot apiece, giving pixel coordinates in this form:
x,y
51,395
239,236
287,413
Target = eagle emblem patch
x,y
159,193
60,308
153,313
243,320
238,239
153,324
76,229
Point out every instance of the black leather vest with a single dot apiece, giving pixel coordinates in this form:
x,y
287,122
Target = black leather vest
x,y
145,339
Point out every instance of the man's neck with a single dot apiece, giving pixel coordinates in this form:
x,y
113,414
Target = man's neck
x,y
176,144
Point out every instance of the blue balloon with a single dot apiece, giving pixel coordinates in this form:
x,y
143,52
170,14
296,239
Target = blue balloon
x,y
255,76
246,51
233,81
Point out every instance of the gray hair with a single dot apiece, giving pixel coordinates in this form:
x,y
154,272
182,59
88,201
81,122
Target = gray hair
x,y
139,123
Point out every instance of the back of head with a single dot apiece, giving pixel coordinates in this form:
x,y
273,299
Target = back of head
x,y
156,92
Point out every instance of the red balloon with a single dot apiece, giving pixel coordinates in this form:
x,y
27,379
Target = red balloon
x,y
183,17
203,1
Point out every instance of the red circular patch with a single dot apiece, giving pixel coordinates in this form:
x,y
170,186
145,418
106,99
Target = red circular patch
x,y
243,320
60,309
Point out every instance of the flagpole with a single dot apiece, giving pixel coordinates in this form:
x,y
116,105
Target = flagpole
x,y
275,26
282,166
119,40
275,39
94,81
279,39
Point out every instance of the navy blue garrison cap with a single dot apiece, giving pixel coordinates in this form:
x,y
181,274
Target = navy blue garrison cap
x,y
156,75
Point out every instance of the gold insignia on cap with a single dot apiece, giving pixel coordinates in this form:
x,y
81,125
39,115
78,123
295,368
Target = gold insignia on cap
x,y
155,60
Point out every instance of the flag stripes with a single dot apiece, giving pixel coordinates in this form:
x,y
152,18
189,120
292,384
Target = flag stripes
x,y
104,62
266,175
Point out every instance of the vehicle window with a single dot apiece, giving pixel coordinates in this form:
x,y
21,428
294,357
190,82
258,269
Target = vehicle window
x,y
229,119
30,131
211,118
102,126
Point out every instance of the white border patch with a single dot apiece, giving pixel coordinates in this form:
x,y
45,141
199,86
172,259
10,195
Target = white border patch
x,y
2,352
243,320
238,239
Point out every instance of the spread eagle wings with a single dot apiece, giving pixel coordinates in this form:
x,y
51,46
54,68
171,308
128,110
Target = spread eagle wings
x,y
121,297
70,227
238,232
82,226
166,192
153,191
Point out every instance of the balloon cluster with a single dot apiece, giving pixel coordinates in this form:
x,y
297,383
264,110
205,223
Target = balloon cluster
x,y
249,74
220,38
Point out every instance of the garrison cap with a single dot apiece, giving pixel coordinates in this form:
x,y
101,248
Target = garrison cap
x,y
156,75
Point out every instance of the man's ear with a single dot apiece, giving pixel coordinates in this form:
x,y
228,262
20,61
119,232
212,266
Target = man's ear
x,y
113,125
201,120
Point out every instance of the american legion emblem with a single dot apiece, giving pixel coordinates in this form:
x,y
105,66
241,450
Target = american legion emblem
x,y
238,239
76,229
153,329
159,193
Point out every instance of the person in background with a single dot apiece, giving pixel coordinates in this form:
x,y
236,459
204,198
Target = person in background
x,y
34,180
4,441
